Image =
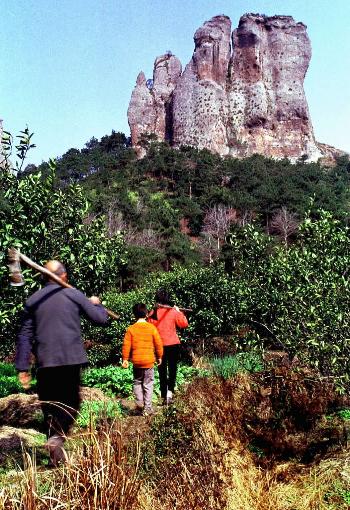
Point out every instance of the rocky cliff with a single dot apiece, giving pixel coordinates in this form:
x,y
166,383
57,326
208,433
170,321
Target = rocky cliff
x,y
241,93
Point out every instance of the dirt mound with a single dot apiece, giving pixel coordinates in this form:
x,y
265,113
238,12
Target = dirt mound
x,y
15,440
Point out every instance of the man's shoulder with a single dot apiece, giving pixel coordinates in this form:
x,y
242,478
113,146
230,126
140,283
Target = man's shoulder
x,y
40,293
50,291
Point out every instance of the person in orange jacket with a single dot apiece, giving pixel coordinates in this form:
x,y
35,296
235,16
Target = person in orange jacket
x,y
143,345
166,321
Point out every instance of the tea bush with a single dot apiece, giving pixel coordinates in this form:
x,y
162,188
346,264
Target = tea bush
x,y
292,297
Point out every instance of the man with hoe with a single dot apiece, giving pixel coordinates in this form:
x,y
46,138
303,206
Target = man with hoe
x,y
51,330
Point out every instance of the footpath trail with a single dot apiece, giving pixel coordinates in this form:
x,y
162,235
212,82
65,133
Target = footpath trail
x,y
134,425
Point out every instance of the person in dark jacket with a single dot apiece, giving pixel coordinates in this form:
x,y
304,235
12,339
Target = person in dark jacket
x,y
51,331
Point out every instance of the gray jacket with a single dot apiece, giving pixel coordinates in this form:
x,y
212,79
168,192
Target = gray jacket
x,y
51,327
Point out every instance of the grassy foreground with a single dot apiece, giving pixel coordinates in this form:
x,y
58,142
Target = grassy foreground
x,y
236,444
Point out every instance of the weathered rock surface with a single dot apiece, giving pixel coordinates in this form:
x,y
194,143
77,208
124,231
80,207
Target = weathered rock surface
x,y
240,94
150,108
268,109
200,105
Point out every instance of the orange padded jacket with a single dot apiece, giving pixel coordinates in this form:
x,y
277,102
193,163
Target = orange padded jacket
x,y
142,344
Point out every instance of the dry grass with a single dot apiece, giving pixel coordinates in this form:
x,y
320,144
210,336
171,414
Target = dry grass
x,y
97,476
197,457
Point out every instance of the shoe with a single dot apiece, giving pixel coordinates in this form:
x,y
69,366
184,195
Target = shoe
x,y
148,412
169,397
56,451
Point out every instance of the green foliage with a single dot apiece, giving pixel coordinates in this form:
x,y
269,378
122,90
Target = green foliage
x,y
229,366
46,222
115,380
100,354
168,188
287,297
345,414
9,383
92,412
111,380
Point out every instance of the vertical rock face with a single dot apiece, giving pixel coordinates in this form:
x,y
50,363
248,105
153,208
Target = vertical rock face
x,y
268,109
240,94
200,106
150,108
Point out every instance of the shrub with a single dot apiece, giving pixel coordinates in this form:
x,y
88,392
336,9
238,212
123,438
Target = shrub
x,y
111,380
345,414
8,380
229,366
47,222
9,385
92,412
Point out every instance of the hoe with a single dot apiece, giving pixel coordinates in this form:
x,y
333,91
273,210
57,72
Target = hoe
x,y
16,277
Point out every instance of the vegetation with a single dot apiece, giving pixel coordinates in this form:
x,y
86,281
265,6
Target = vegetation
x,y
48,222
8,380
228,366
259,250
176,206
94,411
199,453
114,380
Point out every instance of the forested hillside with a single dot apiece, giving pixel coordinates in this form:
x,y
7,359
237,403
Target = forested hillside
x,y
258,249
179,205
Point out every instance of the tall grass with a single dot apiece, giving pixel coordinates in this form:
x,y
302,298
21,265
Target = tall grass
x,y
98,475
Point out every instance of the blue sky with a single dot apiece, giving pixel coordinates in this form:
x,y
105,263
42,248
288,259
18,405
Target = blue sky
x,y
69,66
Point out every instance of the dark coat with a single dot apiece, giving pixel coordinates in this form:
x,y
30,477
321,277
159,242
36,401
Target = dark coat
x,y
51,327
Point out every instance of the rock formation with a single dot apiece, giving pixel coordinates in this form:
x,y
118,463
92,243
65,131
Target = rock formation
x,y
150,108
239,94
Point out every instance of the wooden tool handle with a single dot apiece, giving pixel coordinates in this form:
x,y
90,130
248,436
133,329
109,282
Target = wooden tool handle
x,y
171,307
56,278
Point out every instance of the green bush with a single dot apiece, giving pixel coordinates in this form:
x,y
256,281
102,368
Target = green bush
x,y
47,222
294,298
7,370
114,380
9,383
229,366
93,412
345,414
111,380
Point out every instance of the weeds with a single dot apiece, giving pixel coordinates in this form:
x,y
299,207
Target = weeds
x,y
345,414
228,366
92,412
198,454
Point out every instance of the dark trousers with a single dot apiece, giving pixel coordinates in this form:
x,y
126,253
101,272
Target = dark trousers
x,y
167,369
58,391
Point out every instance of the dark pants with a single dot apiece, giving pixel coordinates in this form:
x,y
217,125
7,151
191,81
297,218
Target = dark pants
x,y
167,369
58,390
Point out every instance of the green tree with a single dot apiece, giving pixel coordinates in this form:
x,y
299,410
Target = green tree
x,y
46,222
